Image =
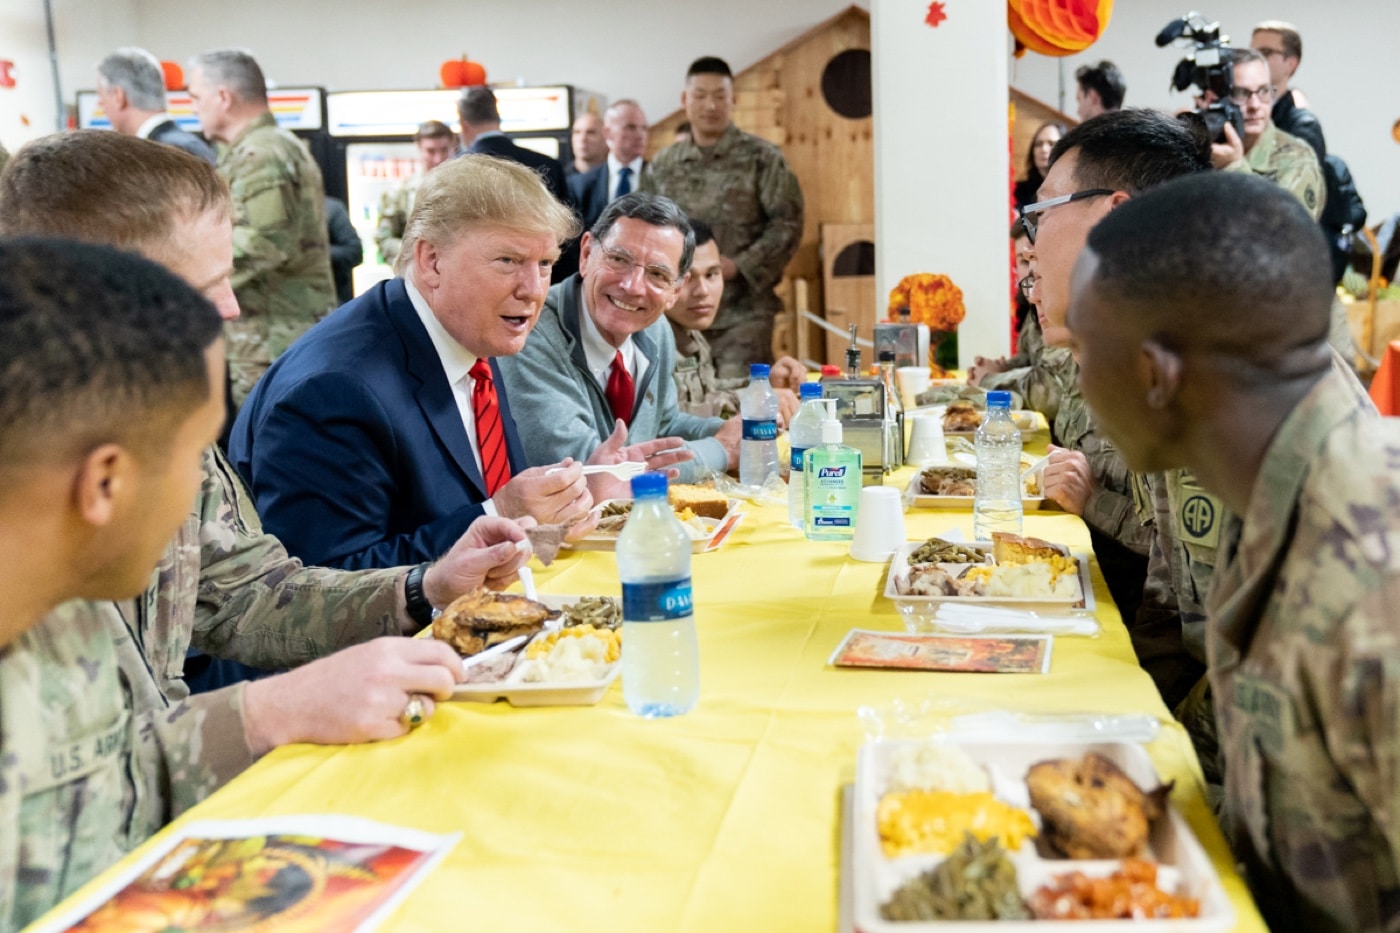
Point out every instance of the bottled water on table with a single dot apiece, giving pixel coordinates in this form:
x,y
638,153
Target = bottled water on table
x,y
660,655
997,504
804,432
758,407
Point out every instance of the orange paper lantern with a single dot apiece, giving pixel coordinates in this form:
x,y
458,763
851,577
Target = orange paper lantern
x,y
174,76
1057,27
460,72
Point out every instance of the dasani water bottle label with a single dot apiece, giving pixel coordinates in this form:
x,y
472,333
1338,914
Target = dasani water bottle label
x,y
657,602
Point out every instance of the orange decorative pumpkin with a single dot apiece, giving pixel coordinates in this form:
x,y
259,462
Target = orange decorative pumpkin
x,y
462,73
174,76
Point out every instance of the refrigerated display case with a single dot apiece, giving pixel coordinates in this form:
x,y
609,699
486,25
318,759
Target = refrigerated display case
x,y
372,151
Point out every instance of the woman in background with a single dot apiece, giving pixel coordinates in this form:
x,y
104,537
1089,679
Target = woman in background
x,y
1038,161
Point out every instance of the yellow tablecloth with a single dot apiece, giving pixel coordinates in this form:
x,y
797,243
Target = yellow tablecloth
x,y
724,819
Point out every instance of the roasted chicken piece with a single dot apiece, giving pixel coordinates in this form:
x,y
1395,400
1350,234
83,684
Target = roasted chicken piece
x,y
1090,809
482,618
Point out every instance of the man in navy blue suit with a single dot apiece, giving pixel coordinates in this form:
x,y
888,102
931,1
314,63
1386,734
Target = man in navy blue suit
x,y
131,90
625,132
385,430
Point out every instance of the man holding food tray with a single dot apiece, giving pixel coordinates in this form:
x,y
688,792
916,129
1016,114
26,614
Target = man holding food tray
x,y
1200,316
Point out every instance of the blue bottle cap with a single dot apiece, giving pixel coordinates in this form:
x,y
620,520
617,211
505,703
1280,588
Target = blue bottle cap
x,y
998,399
758,370
809,390
646,485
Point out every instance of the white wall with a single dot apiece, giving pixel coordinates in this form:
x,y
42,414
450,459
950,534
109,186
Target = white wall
x,y
930,199
639,51
1350,73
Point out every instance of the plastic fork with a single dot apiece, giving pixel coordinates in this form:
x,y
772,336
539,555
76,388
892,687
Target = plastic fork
x,y
624,470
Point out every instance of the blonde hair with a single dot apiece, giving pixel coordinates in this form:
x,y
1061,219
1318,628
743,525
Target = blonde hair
x,y
478,190
1288,36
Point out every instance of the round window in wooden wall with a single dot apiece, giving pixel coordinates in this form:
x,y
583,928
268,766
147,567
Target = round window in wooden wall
x,y
846,83
857,258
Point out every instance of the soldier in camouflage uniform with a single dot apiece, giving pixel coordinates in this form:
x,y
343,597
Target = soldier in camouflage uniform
x,y
435,142
1266,150
120,375
699,390
1227,373
281,253
1032,372
742,185
222,584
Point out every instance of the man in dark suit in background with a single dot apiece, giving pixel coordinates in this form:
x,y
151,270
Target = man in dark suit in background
x,y
385,431
625,131
480,121
131,89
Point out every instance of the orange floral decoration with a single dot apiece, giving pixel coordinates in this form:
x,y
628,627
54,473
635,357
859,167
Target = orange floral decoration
x,y
1057,27
931,299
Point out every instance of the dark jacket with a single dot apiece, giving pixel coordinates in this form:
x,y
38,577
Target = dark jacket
x,y
171,135
353,444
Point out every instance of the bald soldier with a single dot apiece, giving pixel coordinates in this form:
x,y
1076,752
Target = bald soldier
x,y
281,249
1200,318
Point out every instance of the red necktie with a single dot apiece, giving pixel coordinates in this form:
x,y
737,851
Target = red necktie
x,y
490,433
620,393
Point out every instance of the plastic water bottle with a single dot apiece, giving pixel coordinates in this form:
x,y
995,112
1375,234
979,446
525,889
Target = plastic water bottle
x,y
997,504
758,406
660,655
804,432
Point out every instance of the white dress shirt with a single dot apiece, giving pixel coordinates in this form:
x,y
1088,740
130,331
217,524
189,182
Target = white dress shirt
x,y
615,170
599,353
457,362
144,130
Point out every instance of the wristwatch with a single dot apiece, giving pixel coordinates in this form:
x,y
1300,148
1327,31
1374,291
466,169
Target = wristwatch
x,y
415,603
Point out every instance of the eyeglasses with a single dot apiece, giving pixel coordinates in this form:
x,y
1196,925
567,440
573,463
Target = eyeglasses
x,y
1242,94
620,262
1029,212
1270,53
1025,284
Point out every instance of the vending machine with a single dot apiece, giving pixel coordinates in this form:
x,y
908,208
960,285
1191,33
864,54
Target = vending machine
x,y
372,151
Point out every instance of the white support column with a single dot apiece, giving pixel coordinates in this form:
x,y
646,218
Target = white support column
x,y
941,160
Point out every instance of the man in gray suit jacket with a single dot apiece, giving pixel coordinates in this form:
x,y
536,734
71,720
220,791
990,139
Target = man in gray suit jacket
x,y
131,89
602,351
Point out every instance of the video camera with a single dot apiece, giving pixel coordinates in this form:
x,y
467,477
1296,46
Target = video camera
x,y
1208,68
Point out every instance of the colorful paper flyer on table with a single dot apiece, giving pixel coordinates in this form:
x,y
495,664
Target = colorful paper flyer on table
x,y
300,874
973,654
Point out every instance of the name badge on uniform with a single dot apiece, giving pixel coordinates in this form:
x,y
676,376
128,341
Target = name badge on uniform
x,y
1199,516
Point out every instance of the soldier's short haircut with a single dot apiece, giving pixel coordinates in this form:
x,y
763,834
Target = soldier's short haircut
x,y
480,190
236,70
138,73
704,233
649,209
709,65
1106,79
96,346
432,129
477,106
1133,150
1289,37
102,187
1228,263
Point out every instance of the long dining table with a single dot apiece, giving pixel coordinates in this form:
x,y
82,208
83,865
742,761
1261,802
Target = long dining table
x,y
727,818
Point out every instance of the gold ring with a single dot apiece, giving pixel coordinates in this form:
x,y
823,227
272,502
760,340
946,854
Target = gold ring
x,y
414,713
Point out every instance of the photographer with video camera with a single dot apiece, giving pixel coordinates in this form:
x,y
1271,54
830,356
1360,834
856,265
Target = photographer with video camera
x,y
1236,97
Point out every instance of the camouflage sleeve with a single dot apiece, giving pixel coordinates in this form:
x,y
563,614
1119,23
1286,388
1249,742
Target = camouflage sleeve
x,y
1036,385
1159,600
392,220
260,606
189,750
762,262
263,231
1109,510
1301,175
